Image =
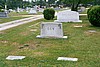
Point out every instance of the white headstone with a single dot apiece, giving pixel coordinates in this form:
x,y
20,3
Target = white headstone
x,y
27,9
41,10
18,9
51,30
68,16
55,13
35,7
81,9
32,11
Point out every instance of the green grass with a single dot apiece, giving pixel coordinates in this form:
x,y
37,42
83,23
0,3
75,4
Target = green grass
x,y
44,52
12,16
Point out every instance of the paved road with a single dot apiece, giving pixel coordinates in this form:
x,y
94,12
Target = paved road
x,y
11,24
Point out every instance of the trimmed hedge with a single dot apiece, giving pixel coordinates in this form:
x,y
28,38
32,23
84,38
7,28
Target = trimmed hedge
x,y
94,15
49,13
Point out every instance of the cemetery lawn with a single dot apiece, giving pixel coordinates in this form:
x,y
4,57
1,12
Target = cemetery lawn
x,y
22,41
16,16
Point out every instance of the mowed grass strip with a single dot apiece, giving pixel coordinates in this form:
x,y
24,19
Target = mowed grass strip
x,y
16,16
22,40
12,16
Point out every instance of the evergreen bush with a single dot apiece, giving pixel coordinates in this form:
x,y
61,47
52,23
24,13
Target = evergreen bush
x,y
94,15
49,13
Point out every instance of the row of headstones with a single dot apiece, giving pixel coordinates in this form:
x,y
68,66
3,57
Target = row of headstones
x,y
54,29
30,11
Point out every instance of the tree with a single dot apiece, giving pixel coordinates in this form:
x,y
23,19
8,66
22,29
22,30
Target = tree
x,y
51,1
75,3
2,3
26,4
13,4
41,3
96,2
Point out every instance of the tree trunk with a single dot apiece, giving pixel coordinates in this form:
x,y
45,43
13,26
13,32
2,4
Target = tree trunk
x,y
75,6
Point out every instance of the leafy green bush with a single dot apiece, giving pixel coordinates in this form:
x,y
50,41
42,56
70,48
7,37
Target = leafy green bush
x,y
89,9
49,13
1,9
94,15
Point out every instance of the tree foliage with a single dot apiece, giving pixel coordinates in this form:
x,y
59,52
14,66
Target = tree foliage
x,y
75,3
11,3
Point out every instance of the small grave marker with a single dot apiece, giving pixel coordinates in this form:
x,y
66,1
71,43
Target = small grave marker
x,y
67,59
15,57
92,31
78,26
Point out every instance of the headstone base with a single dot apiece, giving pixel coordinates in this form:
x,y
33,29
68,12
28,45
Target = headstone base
x,y
39,36
67,21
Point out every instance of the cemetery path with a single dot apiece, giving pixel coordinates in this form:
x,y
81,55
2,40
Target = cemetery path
x,y
15,23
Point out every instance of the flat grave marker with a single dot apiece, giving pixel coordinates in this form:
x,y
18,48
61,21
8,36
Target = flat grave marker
x,y
15,57
67,59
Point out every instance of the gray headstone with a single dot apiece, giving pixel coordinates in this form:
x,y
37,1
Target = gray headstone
x,y
51,30
3,15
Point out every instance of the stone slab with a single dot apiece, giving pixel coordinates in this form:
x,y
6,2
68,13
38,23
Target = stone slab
x,y
51,30
64,37
15,57
68,16
3,15
67,59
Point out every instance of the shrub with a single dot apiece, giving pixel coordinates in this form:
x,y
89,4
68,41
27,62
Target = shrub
x,y
49,13
1,10
94,15
89,9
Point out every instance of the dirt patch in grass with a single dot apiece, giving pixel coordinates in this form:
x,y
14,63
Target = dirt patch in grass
x,y
90,32
4,41
24,33
2,32
27,46
33,30
15,43
39,53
